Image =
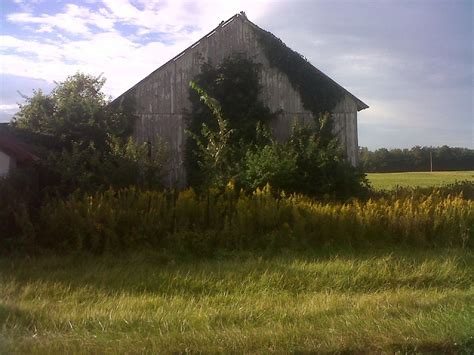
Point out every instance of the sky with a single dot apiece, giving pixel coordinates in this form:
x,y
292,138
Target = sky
x,y
410,61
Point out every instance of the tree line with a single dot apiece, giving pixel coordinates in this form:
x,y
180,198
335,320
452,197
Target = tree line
x,y
416,159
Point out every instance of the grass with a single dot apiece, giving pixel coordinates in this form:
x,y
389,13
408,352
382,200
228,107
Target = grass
x,y
389,181
326,301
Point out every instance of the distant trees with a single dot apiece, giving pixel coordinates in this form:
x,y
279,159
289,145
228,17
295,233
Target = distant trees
x,y
416,159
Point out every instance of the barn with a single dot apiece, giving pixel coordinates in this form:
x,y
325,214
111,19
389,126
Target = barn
x,y
161,98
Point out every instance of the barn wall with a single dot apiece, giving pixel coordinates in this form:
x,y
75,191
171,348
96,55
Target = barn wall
x,y
163,96
5,162
345,127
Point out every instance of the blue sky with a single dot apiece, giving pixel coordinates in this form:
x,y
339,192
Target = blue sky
x,y
410,61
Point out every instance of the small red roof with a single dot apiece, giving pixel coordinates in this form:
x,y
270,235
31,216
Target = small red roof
x,y
12,146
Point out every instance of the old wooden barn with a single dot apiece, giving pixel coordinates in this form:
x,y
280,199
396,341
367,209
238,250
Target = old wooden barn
x,y
162,97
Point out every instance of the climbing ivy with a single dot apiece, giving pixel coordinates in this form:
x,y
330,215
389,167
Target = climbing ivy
x,y
318,93
235,85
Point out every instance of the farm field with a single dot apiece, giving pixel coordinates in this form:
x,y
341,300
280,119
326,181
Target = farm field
x,y
322,301
389,181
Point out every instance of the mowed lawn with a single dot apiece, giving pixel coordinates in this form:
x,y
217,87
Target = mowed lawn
x,y
388,181
330,301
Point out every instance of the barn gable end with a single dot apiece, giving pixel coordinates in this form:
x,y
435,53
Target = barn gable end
x,y
162,97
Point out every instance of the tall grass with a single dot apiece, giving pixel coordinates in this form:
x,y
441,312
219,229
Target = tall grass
x,y
117,220
149,302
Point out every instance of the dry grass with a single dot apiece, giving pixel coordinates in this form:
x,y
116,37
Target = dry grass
x,y
151,302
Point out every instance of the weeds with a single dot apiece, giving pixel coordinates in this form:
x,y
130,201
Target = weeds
x,y
185,221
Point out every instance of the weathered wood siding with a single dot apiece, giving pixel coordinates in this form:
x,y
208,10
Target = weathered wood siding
x,y
5,162
162,97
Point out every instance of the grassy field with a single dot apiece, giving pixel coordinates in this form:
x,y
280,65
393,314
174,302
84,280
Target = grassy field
x,y
389,181
331,301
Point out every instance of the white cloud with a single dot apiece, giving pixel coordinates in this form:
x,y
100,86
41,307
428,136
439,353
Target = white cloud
x,y
123,58
176,16
43,51
74,19
8,107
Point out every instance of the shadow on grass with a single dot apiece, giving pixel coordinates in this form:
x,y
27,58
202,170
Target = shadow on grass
x,y
324,271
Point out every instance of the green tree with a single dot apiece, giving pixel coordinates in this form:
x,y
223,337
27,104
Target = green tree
x,y
75,112
84,138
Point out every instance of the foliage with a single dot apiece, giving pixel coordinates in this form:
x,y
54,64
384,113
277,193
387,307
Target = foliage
x,y
130,163
234,85
83,139
76,112
128,218
318,92
272,164
416,159
213,147
310,162
122,163
19,196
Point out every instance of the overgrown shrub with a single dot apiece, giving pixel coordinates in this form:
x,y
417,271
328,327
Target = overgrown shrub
x,y
233,87
310,162
271,164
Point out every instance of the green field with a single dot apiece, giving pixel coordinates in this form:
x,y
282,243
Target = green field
x,y
330,301
389,181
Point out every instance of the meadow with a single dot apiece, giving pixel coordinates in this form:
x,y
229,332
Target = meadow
x,y
320,301
132,271
390,181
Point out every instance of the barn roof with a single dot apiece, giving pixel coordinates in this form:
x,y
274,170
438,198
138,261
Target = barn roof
x,y
12,146
241,16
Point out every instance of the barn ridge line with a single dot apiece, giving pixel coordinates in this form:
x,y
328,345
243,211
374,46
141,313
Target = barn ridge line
x,y
360,104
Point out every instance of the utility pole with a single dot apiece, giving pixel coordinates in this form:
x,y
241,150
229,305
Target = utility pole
x,y
431,161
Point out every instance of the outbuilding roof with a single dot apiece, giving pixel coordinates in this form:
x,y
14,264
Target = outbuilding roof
x,y
12,146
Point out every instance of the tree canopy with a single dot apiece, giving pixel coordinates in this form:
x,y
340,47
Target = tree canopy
x,y
84,139
76,111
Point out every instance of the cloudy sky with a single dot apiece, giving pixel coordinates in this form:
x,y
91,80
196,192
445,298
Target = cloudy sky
x,y
410,61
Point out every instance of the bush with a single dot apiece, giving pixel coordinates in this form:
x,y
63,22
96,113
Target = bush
x,y
272,165
310,162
